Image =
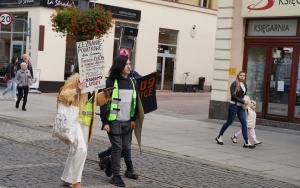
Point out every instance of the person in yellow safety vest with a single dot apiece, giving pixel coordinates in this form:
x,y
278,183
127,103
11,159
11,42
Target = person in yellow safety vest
x,y
104,155
119,115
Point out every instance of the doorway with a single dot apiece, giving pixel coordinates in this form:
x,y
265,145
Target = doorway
x,y
165,71
17,49
272,80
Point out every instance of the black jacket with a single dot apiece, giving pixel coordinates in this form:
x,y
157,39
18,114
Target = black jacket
x,y
11,70
240,95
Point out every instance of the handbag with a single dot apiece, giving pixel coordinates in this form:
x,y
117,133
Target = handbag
x,y
30,81
66,123
246,98
5,79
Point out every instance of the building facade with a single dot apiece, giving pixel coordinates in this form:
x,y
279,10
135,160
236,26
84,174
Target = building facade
x,y
174,37
262,38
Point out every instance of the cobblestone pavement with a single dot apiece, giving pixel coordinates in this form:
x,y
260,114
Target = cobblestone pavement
x,y
31,158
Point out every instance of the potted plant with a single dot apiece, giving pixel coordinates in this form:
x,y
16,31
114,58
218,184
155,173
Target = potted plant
x,y
82,25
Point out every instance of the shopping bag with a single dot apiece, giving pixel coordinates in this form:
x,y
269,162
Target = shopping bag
x,y
66,122
5,79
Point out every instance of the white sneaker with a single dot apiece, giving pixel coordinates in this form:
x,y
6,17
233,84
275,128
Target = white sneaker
x,y
14,99
256,142
1,96
234,139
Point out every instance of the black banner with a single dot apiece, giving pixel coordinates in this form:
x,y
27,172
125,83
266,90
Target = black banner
x,y
147,92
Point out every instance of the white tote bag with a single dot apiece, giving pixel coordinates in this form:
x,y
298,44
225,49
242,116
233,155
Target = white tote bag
x,y
66,122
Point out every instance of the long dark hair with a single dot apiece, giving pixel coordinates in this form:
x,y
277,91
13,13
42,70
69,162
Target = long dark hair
x,y
118,66
13,60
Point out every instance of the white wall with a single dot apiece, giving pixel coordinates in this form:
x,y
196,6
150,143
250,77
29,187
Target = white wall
x,y
194,55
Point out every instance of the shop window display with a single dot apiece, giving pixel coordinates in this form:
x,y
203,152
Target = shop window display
x,y
255,74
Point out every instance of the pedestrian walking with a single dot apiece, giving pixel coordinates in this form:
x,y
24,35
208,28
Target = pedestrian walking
x,y
238,90
26,60
251,121
104,155
22,81
119,115
71,93
11,84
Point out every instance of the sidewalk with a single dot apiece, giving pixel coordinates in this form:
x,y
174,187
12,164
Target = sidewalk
x,y
189,135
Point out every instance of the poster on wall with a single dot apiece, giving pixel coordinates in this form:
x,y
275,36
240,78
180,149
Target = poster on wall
x,y
91,64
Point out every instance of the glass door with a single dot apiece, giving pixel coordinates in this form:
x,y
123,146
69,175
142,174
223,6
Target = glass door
x,y
279,79
17,49
165,72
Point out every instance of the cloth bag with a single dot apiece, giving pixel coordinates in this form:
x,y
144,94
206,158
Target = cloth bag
x,y
5,79
66,123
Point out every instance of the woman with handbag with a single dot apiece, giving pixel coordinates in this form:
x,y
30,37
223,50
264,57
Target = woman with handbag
x,y
238,90
71,94
11,72
22,81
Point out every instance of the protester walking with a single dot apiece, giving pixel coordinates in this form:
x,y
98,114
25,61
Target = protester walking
x,y
104,155
238,90
22,81
119,115
71,93
11,84
251,121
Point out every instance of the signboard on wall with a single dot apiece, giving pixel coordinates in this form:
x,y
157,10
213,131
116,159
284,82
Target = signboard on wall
x,y
91,64
272,28
267,8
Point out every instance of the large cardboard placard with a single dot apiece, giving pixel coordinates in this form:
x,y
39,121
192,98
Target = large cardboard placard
x,y
147,92
91,64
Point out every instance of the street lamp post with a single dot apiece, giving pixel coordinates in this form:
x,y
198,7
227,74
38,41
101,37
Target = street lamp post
x,y
83,4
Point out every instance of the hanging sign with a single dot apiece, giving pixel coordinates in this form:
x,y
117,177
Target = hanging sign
x,y
6,19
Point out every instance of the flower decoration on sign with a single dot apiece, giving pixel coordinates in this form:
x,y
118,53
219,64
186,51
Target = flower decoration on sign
x,y
82,25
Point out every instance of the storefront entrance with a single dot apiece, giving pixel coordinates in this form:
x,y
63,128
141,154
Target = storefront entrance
x,y
165,71
272,79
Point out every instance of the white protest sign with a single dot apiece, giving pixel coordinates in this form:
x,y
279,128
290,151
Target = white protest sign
x,y
91,64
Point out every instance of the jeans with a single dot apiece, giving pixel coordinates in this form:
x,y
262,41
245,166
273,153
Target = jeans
x,y
120,136
11,84
234,110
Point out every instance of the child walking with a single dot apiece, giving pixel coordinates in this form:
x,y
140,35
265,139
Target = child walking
x,y
251,121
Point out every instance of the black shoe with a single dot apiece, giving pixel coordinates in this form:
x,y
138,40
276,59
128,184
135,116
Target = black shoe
x,y
108,171
248,145
24,109
117,181
234,139
130,173
219,140
103,161
17,104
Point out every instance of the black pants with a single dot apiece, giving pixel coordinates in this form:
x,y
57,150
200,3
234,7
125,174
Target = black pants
x,y
120,137
22,91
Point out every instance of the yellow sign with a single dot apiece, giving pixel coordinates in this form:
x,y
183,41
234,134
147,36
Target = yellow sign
x,y
232,71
